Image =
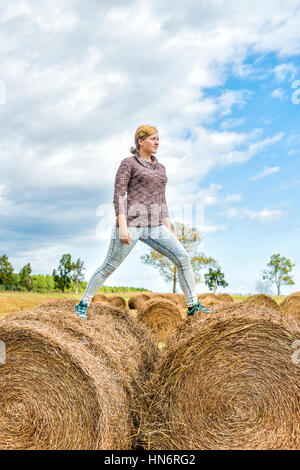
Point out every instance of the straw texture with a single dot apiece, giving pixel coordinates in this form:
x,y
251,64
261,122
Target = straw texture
x,y
291,306
161,316
262,299
136,300
226,381
70,383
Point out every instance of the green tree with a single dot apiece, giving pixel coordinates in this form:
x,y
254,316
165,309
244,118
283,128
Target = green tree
x,y
6,272
62,277
77,275
16,282
39,283
50,284
191,239
278,272
25,277
215,278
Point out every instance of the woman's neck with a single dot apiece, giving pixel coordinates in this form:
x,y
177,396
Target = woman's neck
x,y
146,156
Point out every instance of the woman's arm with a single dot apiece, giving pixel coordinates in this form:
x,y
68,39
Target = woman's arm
x,y
121,183
165,211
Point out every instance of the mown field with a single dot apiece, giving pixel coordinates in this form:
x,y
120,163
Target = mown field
x,y
12,302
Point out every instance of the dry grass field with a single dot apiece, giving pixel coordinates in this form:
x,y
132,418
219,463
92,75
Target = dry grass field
x,y
160,381
12,302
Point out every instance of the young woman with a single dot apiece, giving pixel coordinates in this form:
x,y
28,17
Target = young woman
x,y
142,216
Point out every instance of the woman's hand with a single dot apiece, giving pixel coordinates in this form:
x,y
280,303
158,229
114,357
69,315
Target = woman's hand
x,y
124,234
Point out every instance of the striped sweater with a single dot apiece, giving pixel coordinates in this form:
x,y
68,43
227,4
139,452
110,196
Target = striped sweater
x,y
145,183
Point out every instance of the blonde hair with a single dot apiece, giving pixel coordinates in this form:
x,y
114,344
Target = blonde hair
x,y
141,133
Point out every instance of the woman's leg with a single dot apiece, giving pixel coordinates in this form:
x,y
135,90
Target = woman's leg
x,y
161,239
116,253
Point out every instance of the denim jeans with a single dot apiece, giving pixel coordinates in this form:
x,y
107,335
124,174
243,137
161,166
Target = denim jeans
x,y
159,238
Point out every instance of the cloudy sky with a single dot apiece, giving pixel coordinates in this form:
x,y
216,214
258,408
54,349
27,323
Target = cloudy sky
x,y
220,79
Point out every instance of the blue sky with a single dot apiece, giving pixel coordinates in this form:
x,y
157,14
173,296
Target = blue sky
x,y
219,81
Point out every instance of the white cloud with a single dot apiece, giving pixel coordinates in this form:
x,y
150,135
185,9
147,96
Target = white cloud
x,y
49,15
264,215
82,76
233,198
232,122
209,229
266,172
285,71
278,93
289,185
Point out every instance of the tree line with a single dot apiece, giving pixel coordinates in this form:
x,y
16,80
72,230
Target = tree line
x,y
68,277
277,272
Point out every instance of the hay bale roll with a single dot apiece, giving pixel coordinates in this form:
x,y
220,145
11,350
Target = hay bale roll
x,y
226,381
208,296
264,300
136,300
182,300
99,298
62,386
225,297
53,395
162,317
178,299
157,294
158,297
135,336
291,306
117,301
210,302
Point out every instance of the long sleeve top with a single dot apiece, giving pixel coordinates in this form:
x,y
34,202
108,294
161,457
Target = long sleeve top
x,y
145,183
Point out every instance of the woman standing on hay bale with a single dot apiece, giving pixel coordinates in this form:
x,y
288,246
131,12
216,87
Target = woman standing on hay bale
x,y
142,216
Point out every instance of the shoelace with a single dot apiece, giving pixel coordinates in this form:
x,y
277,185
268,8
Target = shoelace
x,y
81,309
197,307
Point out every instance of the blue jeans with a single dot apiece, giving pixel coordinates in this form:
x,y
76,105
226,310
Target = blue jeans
x,y
158,237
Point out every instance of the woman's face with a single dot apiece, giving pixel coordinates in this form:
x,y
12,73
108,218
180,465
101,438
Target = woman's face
x,y
150,144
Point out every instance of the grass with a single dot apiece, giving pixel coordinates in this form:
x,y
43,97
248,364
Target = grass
x,y
11,302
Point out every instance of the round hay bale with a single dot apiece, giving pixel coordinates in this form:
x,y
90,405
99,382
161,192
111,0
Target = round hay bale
x,y
294,294
178,299
99,298
226,381
54,393
161,317
182,300
225,297
117,301
209,296
121,322
115,363
262,299
291,306
154,294
209,302
136,300
158,297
